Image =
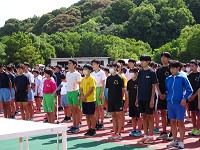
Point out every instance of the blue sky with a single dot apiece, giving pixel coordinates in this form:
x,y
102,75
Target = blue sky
x,y
22,9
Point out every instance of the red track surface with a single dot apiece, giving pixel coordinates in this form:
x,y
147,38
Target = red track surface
x,y
191,142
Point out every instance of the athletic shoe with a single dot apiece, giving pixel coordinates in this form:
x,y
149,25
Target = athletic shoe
x,y
156,131
71,129
37,111
87,133
92,132
141,141
16,113
122,130
129,122
170,137
12,117
100,127
137,133
132,133
180,145
30,119
45,120
191,132
79,125
1,111
163,135
174,143
60,108
149,141
196,132
65,119
76,130
108,115
117,137
111,137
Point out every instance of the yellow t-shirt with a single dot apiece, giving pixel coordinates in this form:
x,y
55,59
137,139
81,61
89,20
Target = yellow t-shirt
x,y
125,82
86,84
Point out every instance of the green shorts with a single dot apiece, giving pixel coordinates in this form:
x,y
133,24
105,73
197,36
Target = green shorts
x,y
72,97
80,105
48,102
98,101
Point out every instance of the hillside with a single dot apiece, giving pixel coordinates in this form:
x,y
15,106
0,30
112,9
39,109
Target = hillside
x,y
115,28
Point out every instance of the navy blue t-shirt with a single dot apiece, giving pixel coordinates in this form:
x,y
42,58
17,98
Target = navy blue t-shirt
x,y
12,78
146,78
4,80
21,82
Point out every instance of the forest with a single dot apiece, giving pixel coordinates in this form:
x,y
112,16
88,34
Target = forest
x,y
105,28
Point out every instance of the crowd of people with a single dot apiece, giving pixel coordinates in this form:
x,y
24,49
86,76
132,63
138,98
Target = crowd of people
x,y
143,90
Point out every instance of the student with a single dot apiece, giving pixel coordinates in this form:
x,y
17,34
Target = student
x,y
131,64
146,91
108,115
73,81
22,89
162,74
100,78
5,91
9,70
64,103
88,98
122,63
48,99
176,101
115,85
38,87
193,77
133,110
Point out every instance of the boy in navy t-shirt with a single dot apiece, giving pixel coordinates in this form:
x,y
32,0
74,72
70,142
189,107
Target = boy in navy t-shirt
x,y
146,91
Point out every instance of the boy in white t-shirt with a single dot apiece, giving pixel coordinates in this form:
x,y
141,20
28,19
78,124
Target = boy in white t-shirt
x,y
73,81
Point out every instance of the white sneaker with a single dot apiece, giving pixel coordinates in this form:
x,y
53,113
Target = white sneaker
x,y
117,137
174,143
163,135
180,145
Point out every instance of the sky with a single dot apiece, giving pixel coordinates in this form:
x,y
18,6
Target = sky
x,y
22,9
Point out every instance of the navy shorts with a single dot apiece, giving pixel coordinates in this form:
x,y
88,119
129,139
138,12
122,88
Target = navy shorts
x,y
144,107
63,101
88,108
175,111
193,105
115,107
134,112
21,96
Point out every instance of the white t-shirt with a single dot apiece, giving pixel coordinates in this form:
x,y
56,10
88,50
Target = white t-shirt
x,y
73,78
64,88
30,77
99,77
38,85
127,75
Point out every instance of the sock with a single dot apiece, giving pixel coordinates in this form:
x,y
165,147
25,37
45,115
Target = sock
x,y
151,137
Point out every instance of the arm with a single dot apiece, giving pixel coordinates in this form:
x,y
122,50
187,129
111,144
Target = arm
x,y
193,96
151,105
89,92
188,90
102,90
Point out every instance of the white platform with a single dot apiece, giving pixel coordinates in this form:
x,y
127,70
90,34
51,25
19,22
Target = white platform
x,y
11,129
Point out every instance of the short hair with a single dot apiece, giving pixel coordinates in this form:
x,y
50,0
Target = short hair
x,y
134,70
52,67
193,61
48,71
26,64
174,64
88,66
36,71
62,76
122,62
59,67
115,65
20,66
74,61
96,61
132,60
183,65
145,57
79,68
9,68
106,69
166,54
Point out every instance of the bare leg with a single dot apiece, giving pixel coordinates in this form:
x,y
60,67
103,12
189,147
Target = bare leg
x,y
173,128
182,129
151,124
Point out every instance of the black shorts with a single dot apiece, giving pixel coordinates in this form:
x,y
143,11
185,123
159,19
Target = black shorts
x,y
88,108
193,105
115,107
144,107
134,112
21,96
161,104
38,97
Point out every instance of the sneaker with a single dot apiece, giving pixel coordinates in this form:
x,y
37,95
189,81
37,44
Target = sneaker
x,y
71,129
156,131
60,108
191,132
16,113
1,111
122,130
37,111
174,143
196,132
76,130
180,145
132,133
137,133
45,120
117,137
129,122
170,137
100,126
12,117
141,141
108,115
111,137
92,132
79,125
149,141
87,133
65,119
30,119
163,135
